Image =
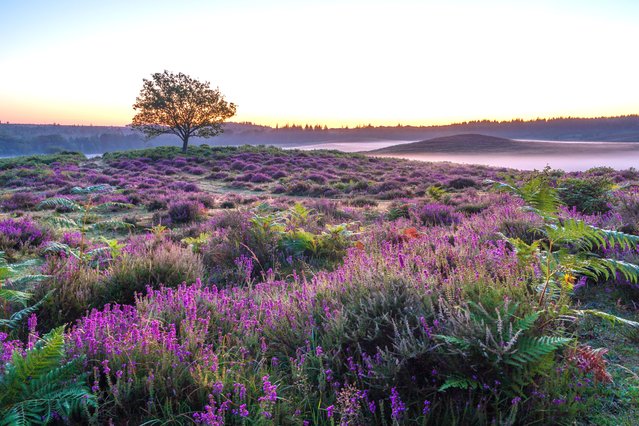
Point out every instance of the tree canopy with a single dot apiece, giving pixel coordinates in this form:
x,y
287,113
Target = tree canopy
x,y
181,105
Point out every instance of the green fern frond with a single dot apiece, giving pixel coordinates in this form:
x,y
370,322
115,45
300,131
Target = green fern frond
x,y
606,316
527,322
537,193
91,189
15,296
36,386
531,349
61,202
17,317
62,222
29,279
98,251
57,248
607,269
626,241
458,383
45,357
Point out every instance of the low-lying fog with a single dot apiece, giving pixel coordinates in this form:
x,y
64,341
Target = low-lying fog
x,y
618,158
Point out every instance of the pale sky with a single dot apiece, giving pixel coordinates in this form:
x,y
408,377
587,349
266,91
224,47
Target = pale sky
x,y
331,62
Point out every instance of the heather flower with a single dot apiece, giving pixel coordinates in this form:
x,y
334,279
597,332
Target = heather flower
x,y
243,411
397,406
330,411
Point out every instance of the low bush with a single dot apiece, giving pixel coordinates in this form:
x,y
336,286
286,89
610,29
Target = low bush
x,y
462,183
20,201
150,262
589,195
185,211
21,234
436,215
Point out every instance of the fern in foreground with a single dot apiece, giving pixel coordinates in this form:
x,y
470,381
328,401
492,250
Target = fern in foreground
x,y
38,387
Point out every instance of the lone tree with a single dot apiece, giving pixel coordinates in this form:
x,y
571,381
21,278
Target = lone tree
x,y
179,104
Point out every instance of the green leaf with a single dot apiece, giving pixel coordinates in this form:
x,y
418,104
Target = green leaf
x,y
458,383
608,317
61,202
15,296
531,349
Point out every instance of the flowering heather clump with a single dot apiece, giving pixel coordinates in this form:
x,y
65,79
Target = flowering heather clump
x,y
437,215
185,211
21,234
397,406
260,178
7,348
238,165
19,201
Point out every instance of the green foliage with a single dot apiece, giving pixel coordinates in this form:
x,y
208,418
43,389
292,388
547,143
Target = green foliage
x,y
17,317
568,247
536,192
196,243
82,224
114,247
177,104
400,211
90,189
437,193
588,195
13,296
532,349
39,385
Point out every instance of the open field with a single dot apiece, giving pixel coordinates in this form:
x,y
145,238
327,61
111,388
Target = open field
x,y
255,285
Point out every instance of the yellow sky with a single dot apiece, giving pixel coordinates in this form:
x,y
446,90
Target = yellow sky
x,y
334,63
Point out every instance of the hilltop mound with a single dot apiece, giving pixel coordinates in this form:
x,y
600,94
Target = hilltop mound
x,y
463,143
473,144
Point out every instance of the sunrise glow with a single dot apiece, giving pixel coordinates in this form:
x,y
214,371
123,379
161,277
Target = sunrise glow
x,y
334,63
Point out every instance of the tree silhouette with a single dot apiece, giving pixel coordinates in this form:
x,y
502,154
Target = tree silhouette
x,y
179,104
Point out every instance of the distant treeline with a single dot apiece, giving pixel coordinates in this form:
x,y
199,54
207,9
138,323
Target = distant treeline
x,y
53,143
23,139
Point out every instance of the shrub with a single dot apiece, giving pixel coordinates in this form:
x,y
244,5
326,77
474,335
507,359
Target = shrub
x,y
21,234
462,183
589,195
260,178
20,201
363,202
185,211
80,286
157,203
299,188
437,215
150,262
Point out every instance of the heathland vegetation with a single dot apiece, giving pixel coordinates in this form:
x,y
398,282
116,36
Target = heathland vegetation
x,y
255,285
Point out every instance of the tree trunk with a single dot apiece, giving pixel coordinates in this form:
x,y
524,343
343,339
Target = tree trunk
x,y
185,144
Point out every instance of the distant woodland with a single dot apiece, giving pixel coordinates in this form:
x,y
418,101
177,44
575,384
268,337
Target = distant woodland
x,y
23,139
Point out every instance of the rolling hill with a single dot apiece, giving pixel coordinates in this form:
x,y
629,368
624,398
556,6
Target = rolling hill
x,y
483,144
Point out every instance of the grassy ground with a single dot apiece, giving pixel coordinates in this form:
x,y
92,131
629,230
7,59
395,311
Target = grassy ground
x,y
618,403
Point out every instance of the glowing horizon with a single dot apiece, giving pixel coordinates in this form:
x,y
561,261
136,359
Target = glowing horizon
x,y
331,63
